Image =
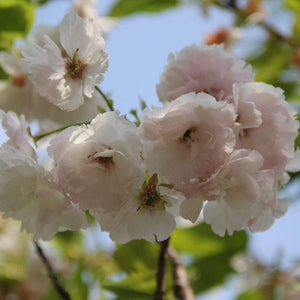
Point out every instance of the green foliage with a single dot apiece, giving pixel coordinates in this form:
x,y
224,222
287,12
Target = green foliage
x,y
294,5
208,264
16,18
138,261
136,256
127,7
274,57
3,74
210,254
252,295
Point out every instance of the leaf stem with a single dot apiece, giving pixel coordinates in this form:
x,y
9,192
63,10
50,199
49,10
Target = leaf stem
x,y
58,287
38,137
161,269
108,101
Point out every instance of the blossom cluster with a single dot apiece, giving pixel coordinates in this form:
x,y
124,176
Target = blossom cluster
x,y
220,143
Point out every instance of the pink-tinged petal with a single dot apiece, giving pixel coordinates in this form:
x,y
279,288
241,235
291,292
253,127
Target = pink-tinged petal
x,y
209,69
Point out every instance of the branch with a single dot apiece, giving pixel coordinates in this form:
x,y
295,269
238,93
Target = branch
x,y
161,269
182,287
60,290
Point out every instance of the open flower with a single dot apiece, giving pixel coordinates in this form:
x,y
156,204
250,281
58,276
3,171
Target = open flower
x,y
30,194
240,194
208,69
149,214
99,164
88,9
187,140
16,130
16,93
65,73
274,130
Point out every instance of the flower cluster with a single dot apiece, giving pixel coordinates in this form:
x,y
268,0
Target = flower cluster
x,y
220,143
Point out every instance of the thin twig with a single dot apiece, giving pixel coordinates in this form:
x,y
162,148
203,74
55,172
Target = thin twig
x,y
161,269
182,287
38,137
60,290
108,101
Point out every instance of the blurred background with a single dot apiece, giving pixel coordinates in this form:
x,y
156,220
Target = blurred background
x,y
245,266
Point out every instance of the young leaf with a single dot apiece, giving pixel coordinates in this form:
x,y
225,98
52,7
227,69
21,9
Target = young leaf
x,y
128,7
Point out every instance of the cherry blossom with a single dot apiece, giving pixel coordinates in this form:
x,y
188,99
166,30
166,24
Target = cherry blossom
x,y
186,140
208,69
65,75
274,134
30,194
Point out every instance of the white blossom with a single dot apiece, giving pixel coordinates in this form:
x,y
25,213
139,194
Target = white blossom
x,y
88,9
241,194
19,95
187,140
149,215
16,93
273,133
99,164
31,195
208,69
67,72
18,134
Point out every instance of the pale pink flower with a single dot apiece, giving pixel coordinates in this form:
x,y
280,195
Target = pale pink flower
x,y
16,93
209,69
16,130
241,194
88,9
31,195
101,167
149,215
67,72
274,131
19,95
99,164
188,139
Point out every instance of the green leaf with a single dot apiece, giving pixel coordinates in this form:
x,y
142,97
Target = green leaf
x,y
3,74
293,5
128,7
137,255
209,255
275,57
16,18
201,241
135,286
252,295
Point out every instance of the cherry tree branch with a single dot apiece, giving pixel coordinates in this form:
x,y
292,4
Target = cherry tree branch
x,y
60,290
182,287
161,270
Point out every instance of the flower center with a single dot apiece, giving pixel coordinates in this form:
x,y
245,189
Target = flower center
x,y
106,161
188,135
75,67
149,196
18,80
